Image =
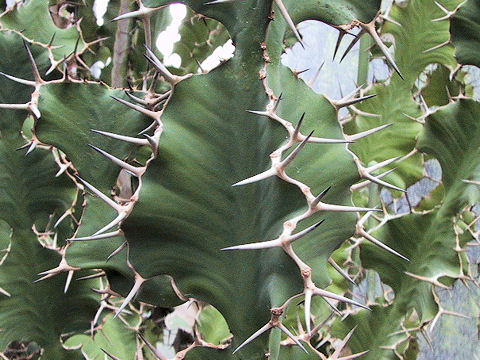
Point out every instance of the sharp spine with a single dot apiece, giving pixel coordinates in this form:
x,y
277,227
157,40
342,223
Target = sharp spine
x,y
259,332
135,170
380,244
97,237
36,74
328,294
68,281
129,139
266,174
101,195
152,348
352,44
121,216
368,132
305,232
146,112
93,276
295,152
289,21
110,355
341,271
378,181
157,64
133,292
255,246
307,309
316,201
370,28
381,164
18,80
136,99
291,336
297,128
117,250
343,103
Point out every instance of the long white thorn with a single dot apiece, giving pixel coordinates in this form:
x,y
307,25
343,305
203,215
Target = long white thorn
x,y
36,74
445,43
15,106
129,139
133,292
328,294
343,103
261,113
304,232
97,237
219,2
342,208
291,336
341,271
368,182
32,147
157,64
264,175
308,306
370,238
370,28
122,215
256,246
117,250
367,132
101,195
5,292
473,182
342,344
259,332
148,128
448,14
135,170
136,99
142,12
146,112
381,164
68,281
318,140
162,97
34,109
378,181
288,19
93,276
18,80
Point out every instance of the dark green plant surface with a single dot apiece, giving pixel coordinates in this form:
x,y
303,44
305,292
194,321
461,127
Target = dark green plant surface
x,y
133,187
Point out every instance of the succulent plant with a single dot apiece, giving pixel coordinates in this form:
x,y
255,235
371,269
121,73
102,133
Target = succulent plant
x,y
239,190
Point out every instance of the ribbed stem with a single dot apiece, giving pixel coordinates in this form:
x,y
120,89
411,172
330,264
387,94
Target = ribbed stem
x,y
120,48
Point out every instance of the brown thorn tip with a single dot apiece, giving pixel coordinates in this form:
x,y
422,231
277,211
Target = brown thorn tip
x,y
306,231
320,196
117,250
295,152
